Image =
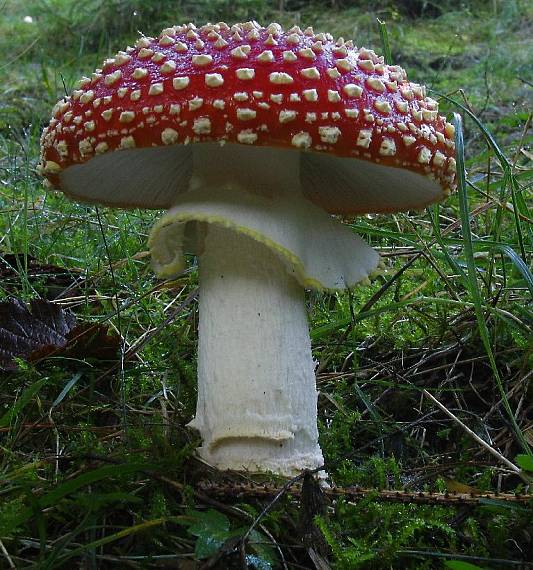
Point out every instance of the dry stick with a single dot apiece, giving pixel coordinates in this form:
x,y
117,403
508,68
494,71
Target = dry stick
x,y
474,435
509,394
6,554
276,498
18,56
331,376
235,492
220,506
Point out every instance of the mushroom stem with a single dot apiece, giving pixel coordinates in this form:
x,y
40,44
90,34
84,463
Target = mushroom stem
x,y
257,398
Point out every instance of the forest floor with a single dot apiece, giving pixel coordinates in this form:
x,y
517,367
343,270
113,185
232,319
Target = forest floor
x,y
97,468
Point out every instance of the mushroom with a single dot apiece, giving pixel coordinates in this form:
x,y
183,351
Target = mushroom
x,y
251,137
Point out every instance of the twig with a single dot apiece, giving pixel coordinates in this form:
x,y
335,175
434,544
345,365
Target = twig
x,y
231,510
18,56
474,435
6,555
522,139
236,491
276,498
450,556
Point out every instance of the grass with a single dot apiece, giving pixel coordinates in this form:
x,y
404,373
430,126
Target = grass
x,y
96,465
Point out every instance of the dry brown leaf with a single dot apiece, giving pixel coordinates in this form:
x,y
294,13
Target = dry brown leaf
x,y
57,282
44,330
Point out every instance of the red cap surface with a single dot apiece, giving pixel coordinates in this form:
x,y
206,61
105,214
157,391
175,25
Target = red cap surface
x,y
251,85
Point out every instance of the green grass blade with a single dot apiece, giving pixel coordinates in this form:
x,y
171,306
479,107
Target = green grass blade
x,y
26,397
434,217
519,264
410,239
322,331
461,565
88,478
67,388
519,206
328,328
473,286
384,36
519,203
72,485
117,536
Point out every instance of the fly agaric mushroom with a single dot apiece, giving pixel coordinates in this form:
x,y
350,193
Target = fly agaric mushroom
x,y
251,137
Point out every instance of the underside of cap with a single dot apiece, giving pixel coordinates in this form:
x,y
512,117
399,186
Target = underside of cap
x,y
157,177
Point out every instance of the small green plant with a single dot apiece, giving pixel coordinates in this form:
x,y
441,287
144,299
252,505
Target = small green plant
x,y
213,533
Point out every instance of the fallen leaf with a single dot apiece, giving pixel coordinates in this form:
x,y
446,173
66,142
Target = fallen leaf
x,y
44,330
92,341
57,282
23,332
454,486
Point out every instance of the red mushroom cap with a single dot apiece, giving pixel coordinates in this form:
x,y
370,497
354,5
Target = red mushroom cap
x,y
251,85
